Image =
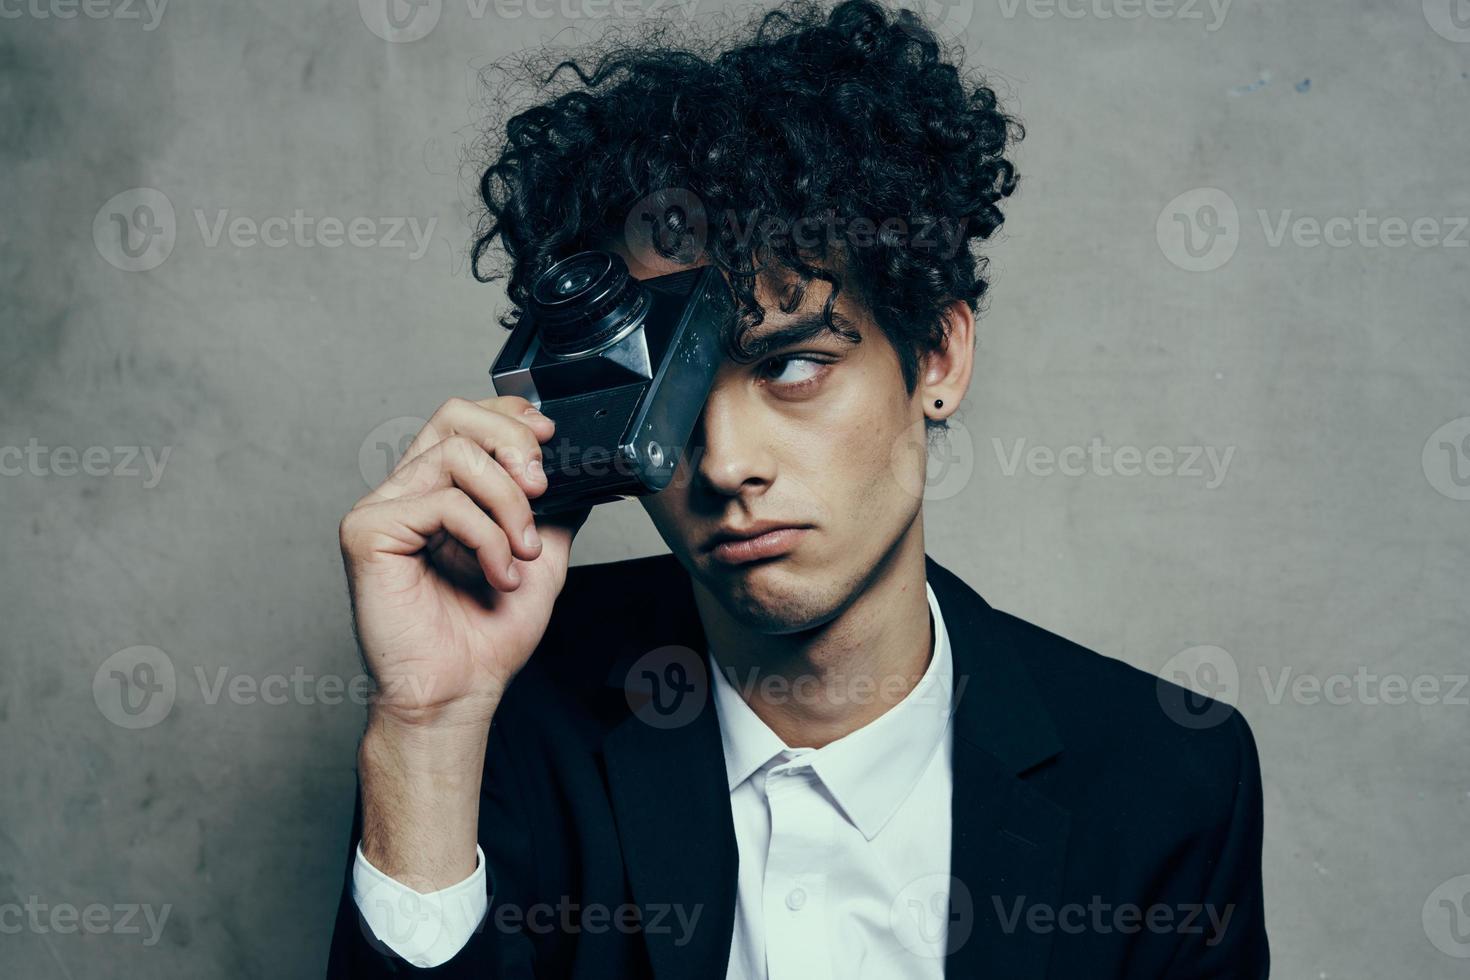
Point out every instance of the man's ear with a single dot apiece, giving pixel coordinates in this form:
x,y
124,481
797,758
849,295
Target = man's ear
x,y
944,374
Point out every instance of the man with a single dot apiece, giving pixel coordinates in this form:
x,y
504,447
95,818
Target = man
x,y
796,747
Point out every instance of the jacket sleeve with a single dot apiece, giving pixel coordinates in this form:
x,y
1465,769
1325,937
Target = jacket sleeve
x,y
1233,948
499,948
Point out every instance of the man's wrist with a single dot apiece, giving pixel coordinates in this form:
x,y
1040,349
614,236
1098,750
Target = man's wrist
x,y
470,711
420,788
436,736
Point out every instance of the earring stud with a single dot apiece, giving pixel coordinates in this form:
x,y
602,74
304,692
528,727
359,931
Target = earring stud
x,y
939,403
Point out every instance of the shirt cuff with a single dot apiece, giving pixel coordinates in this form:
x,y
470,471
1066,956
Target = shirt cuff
x,y
425,928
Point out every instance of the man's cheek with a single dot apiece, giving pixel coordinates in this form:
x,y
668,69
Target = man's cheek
x,y
838,481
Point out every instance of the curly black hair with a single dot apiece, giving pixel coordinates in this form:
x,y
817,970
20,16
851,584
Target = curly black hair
x,y
732,149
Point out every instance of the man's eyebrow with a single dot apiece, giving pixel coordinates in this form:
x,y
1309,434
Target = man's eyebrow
x,y
801,328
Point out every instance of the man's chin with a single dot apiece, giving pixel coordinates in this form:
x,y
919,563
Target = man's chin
x,y
780,571
771,596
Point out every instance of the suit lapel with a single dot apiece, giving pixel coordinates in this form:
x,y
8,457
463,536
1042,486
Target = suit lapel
x,y
670,798
1008,840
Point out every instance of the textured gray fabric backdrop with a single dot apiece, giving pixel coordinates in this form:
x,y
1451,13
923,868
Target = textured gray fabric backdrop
x,y
217,321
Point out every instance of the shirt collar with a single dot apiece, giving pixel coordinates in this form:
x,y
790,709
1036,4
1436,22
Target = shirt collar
x,y
869,772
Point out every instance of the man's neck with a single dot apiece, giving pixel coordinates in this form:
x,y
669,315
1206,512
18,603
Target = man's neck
x,y
817,685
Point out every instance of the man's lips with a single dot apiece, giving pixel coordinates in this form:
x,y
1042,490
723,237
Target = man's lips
x,y
766,540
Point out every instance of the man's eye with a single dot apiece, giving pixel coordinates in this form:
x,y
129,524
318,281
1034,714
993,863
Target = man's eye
x,y
792,370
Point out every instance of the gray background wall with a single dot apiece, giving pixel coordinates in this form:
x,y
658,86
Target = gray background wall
x,y
1336,377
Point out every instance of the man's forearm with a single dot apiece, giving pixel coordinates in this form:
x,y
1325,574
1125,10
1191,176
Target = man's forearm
x,y
421,797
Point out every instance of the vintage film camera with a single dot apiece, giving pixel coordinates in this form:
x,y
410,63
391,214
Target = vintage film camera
x,y
623,367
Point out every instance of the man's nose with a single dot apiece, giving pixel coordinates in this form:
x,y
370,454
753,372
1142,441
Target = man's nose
x,y
731,448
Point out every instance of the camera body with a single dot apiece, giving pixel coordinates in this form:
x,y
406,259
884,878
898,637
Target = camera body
x,y
622,366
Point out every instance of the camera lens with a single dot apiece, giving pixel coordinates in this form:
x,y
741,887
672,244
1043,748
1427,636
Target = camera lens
x,y
573,281
585,302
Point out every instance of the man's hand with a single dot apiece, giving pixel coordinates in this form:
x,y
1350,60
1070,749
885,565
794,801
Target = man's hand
x,y
452,583
452,579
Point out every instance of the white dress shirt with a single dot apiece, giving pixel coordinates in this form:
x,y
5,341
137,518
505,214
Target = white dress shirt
x,y
844,850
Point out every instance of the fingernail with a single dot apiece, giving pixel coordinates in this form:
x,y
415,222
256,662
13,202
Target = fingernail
x,y
534,470
531,538
513,573
533,410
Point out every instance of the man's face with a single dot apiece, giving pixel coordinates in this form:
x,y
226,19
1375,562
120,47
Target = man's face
x,y
819,435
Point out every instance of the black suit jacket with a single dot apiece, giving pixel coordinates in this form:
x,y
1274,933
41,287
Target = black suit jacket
x,y
1105,823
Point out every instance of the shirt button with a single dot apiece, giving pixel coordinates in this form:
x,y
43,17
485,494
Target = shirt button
x,y
796,899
